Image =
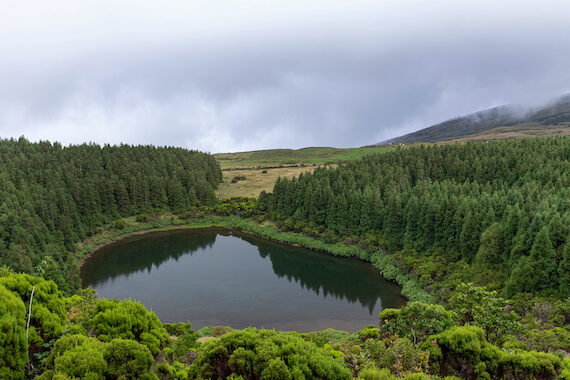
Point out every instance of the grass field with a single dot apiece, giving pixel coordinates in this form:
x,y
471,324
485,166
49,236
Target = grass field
x,y
262,168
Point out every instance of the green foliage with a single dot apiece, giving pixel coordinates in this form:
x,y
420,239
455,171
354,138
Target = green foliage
x,y
52,196
128,359
48,317
464,352
416,321
185,338
264,354
128,320
13,343
400,355
372,373
550,340
143,218
78,356
483,212
369,332
119,224
81,309
477,306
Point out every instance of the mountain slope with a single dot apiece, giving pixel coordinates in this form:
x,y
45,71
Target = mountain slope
x,y
497,123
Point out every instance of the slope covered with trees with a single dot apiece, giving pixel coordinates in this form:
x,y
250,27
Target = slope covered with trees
x,y
52,196
496,213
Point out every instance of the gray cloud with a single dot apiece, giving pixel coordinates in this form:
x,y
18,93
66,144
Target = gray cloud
x,y
246,75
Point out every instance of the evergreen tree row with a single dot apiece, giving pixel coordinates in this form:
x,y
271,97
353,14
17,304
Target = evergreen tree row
x,y
500,205
51,196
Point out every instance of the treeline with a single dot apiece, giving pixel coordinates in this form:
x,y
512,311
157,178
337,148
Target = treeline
x,y
499,209
52,196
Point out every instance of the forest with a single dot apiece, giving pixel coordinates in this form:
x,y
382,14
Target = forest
x,y
52,196
481,231
500,209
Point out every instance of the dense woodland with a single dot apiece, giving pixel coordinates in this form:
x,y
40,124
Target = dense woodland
x,y
53,196
501,208
484,227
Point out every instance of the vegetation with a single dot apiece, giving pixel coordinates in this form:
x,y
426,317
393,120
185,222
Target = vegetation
x,y
481,229
262,168
51,196
498,123
492,213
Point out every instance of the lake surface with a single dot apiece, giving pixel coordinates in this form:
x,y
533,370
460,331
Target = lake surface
x,y
225,278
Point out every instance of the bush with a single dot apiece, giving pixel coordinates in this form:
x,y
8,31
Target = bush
x,y
464,352
128,359
264,354
128,320
416,321
13,343
48,309
143,218
76,356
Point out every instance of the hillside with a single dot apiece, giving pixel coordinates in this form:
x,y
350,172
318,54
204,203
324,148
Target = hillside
x,y
498,123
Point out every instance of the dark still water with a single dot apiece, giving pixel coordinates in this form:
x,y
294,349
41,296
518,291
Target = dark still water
x,y
221,277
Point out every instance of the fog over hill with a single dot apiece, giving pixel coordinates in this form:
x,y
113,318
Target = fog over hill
x,y
508,121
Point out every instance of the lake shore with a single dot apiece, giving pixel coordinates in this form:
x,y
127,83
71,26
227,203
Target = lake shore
x,y
379,259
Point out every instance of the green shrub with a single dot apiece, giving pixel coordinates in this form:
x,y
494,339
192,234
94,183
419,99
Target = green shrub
x,y
373,373
119,224
186,339
143,218
479,307
128,320
416,321
128,359
76,356
369,332
464,352
264,354
48,309
13,343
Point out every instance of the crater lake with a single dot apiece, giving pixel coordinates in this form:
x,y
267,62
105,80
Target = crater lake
x,y
220,277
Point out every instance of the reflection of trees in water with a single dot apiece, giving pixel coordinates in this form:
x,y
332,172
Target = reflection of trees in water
x,y
342,278
142,252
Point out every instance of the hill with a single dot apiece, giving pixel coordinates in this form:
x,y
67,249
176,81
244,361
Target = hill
x,y
498,123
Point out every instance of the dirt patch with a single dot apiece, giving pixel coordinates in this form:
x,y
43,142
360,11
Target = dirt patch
x,y
205,339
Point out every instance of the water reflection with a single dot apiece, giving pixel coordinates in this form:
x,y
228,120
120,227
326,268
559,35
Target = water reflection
x,y
222,277
107,264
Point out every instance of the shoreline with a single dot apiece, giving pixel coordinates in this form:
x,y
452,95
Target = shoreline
x,y
410,288
145,231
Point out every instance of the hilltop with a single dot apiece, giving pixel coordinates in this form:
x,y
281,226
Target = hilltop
x,y
498,123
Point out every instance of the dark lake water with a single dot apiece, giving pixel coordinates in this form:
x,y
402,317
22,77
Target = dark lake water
x,y
222,277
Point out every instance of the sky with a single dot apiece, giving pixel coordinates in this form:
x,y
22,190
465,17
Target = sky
x,y
230,76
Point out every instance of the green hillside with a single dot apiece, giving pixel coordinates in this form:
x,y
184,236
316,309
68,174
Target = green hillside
x,y
499,123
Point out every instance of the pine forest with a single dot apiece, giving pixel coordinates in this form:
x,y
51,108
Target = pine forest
x,y
477,234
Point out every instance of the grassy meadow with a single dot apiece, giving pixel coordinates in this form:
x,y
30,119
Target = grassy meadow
x,y
262,168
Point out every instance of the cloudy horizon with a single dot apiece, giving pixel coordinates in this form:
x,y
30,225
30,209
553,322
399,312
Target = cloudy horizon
x,y
246,75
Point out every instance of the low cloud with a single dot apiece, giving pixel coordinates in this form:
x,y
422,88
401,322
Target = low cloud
x,y
225,77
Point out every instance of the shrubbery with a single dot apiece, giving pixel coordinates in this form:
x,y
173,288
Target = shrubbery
x,y
264,354
13,343
128,320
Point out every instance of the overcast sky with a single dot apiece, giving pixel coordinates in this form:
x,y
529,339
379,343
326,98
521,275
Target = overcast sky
x,y
239,75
